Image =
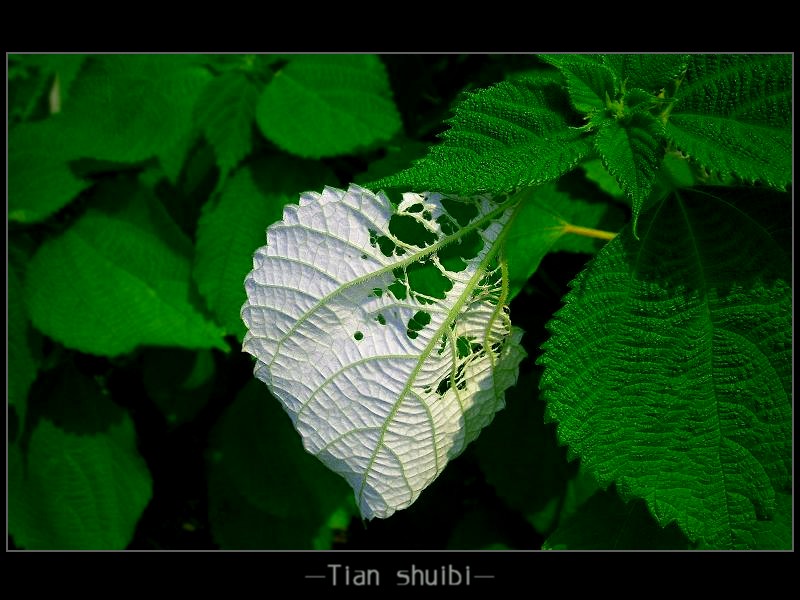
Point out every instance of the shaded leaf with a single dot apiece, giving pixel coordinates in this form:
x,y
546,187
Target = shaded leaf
x,y
40,181
519,455
127,108
266,492
605,522
23,349
225,112
178,381
78,489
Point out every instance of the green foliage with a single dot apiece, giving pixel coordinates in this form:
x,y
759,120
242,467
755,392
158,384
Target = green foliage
x,y
80,482
40,180
140,186
328,105
511,135
23,348
265,490
542,224
632,150
732,113
604,522
225,112
117,278
680,389
229,229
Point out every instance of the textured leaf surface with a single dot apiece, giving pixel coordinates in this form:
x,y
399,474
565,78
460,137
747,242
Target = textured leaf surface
x,y
384,381
265,491
78,489
604,522
127,108
508,136
229,229
650,72
40,181
117,278
632,149
590,81
669,368
327,105
225,111
733,114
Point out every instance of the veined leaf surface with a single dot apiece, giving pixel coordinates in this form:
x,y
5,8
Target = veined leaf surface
x,y
389,351
669,371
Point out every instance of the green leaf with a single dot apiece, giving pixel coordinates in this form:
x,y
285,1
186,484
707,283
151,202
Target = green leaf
x,y
63,66
23,349
604,522
40,181
631,149
229,229
128,108
733,114
651,72
590,81
78,489
265,490
669,368
178,381
596,172
544,223
225,112
519,456
508,136
328,105
118,278
26,88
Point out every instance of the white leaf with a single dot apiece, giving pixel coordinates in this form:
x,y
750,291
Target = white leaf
x,y
381,393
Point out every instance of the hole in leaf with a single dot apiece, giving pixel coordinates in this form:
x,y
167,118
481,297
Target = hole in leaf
x,y
411,231
381,319
454,257
425,278
398,290
427,215
386,245
462,345
363,257
448,225
377,292
415,208
417,323
444,385
462,212
358,336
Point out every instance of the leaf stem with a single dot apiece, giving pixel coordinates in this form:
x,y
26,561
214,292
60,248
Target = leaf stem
x,y
589,232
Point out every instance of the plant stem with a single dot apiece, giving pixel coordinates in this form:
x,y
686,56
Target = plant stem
x,y
589,232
